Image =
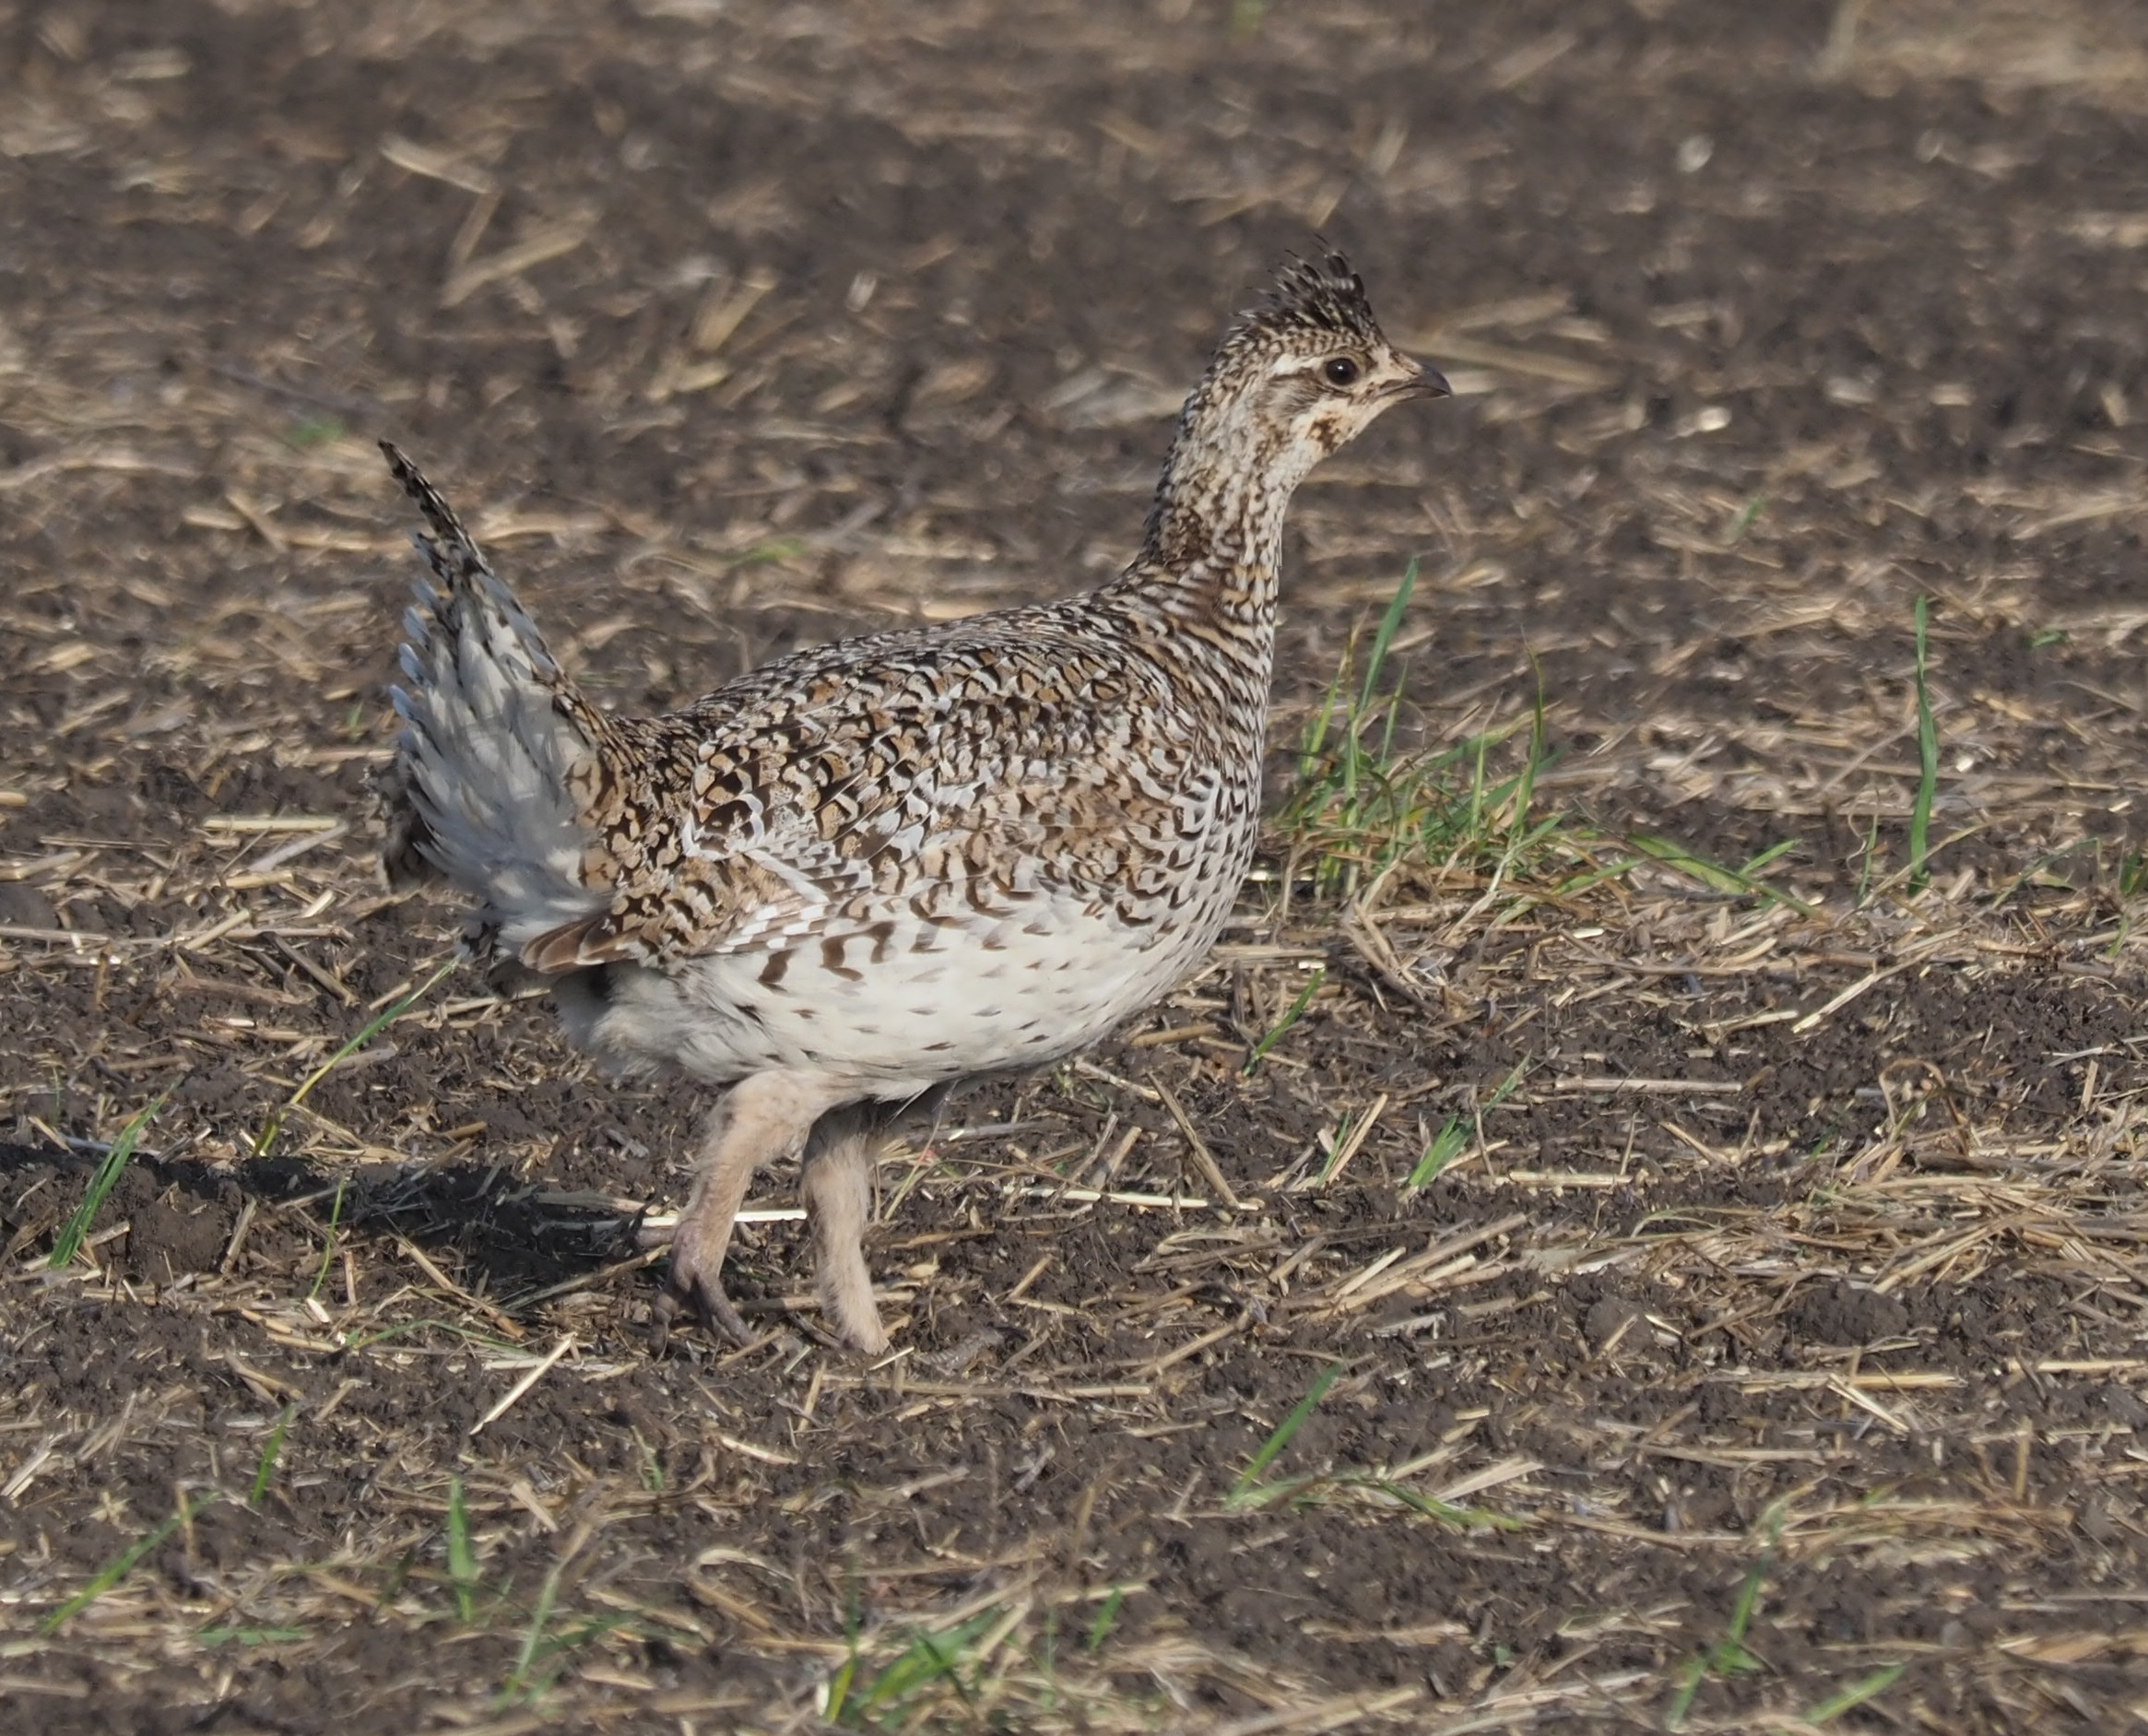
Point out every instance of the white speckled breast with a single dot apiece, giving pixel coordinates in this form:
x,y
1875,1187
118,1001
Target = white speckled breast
x,y
907,1005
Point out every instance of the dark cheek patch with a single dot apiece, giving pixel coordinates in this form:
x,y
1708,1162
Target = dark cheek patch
x,y
1328,433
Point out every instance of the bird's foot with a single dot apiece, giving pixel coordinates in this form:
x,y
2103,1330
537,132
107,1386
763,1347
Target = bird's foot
x,y
695,1284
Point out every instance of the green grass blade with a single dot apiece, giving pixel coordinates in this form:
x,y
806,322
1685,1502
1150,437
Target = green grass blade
x,y
1454,1135
1716,875
1391,715
122,1565
1446,1145
1767,856
1691,863
1295,1011
215,1637
839,1690
270,1452
462,1560
1604,872
929,1657
763,554
328,1247
76,1230
1855,1695
367,1033
1690,1677
1249,1479
853,1624
1461,1518
1728,1656
1507,1085
1473,815
2132,873
1100,1629
1313,738
1390,623
1748,1599
1926,761
532,1638
1749,1592
1525,785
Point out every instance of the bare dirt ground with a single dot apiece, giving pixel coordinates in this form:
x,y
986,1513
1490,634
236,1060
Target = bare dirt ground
x,y
1770,1347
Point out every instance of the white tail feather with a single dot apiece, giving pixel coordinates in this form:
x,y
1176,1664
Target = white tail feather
x,y
488,747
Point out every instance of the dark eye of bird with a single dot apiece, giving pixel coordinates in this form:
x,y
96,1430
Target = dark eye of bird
x,y
1339,370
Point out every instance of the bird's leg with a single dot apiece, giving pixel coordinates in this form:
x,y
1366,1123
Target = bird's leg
x,y
760,1119
934,1102
838,1188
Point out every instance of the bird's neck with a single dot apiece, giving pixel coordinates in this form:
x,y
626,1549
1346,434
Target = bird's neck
x,y
1212,549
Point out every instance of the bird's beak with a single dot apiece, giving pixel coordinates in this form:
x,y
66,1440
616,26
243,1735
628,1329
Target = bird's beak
x,y
1427,382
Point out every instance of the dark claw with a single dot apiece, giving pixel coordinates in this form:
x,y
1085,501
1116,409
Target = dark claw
x,y
688,1290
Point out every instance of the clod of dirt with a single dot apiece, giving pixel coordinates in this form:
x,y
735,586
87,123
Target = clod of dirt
x,y
2124,1405
171,1237
1839,1313
1611,1321
179,1216
23,907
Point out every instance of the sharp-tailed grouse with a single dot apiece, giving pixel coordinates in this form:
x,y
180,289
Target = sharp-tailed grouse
x,y
875,866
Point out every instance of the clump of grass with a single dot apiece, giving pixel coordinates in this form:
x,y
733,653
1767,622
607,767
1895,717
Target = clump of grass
x,y
68,1242
1360,805
1254,1491
990,1665
1453,1136
545,1655
928,1659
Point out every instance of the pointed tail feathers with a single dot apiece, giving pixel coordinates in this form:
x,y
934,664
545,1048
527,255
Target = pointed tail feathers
x,y
481,790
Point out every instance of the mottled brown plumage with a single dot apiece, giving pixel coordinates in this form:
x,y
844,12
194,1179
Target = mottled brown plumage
x,y
872,868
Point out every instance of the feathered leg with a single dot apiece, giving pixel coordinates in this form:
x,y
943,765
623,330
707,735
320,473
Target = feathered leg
x,y
838,1189
761,1120
841,1161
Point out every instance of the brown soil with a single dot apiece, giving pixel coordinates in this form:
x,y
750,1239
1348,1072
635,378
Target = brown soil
x,y
1793,1249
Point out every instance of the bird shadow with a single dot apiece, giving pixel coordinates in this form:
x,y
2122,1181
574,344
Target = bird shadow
x,y
166,1219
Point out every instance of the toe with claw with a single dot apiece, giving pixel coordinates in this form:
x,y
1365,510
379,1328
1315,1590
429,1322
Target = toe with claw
x,y
690,1288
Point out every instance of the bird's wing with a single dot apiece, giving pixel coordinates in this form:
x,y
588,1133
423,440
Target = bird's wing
x,y
943,778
